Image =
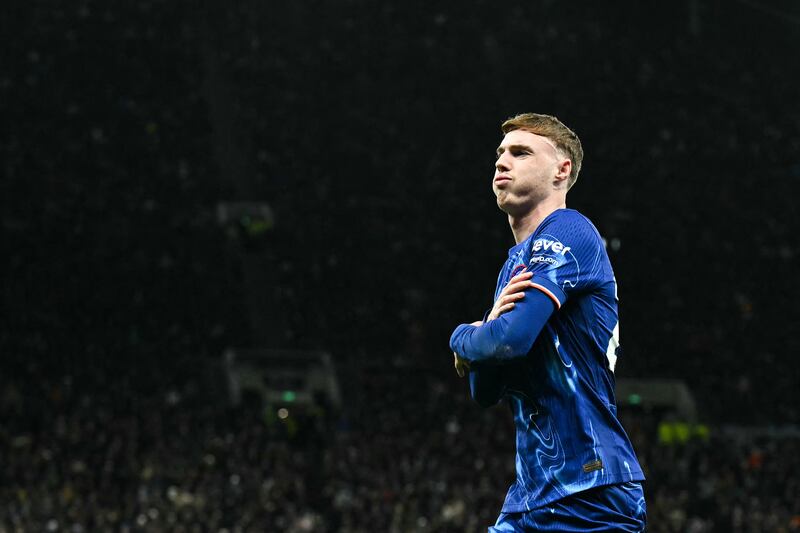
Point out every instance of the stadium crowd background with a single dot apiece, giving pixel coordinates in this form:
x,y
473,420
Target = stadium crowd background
x,y
369,128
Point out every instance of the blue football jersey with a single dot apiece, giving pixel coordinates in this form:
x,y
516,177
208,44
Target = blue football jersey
x,y
562,393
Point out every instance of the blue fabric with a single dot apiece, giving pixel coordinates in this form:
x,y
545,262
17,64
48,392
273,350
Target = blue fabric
x,y
506,338
486,385
510,336
555,369
609,508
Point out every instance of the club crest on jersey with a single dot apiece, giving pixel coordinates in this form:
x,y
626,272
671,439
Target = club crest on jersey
x,y
517,270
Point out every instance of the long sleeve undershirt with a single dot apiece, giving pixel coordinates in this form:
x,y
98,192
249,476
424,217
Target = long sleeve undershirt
x,y
504,339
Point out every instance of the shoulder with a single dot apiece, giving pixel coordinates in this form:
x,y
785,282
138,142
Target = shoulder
x,y
568,218
567,225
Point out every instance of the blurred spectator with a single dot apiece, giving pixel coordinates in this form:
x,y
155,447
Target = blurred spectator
x,y
369,129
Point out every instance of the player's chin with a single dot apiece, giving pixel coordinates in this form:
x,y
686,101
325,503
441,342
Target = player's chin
x,y
511,207
504,202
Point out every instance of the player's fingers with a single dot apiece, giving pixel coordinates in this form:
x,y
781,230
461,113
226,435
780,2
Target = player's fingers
x,y
525,276
522,275
500,309
517,287
457,361
510,298
505,308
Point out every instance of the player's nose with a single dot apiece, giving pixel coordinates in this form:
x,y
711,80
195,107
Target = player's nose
x,y
502,164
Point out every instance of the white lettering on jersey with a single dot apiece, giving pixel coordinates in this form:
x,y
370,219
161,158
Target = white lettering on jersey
x,y
550,245
543,259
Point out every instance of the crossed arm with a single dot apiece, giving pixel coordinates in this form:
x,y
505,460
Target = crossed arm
x,y
509,332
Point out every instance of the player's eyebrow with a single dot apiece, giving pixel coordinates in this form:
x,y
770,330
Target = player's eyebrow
x,y
501,148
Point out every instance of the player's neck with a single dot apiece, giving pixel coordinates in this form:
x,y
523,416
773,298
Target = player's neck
x,y
523,226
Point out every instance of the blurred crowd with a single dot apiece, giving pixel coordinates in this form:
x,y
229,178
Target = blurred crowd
x,y
139,453
369,129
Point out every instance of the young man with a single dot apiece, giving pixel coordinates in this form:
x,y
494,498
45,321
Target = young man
x,y
549,345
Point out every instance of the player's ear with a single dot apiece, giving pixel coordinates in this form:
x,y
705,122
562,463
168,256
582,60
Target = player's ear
x,y
563,171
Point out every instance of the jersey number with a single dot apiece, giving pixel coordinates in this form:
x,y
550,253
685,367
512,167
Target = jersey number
x,y
613,346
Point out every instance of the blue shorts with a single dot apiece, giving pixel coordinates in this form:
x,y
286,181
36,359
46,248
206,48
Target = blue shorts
x,y
609,508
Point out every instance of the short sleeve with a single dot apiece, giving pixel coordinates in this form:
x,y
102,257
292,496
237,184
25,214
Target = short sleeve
x,y
566,256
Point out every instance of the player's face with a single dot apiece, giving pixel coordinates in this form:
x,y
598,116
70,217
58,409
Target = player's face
x,y
525,171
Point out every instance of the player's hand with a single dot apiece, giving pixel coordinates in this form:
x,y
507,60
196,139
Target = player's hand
x,y
512,293
461,364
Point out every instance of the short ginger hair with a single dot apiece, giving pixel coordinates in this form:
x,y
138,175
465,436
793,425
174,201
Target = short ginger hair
x,y
566,141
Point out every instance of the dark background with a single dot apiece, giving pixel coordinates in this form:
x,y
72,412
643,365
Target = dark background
x,y
369,128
